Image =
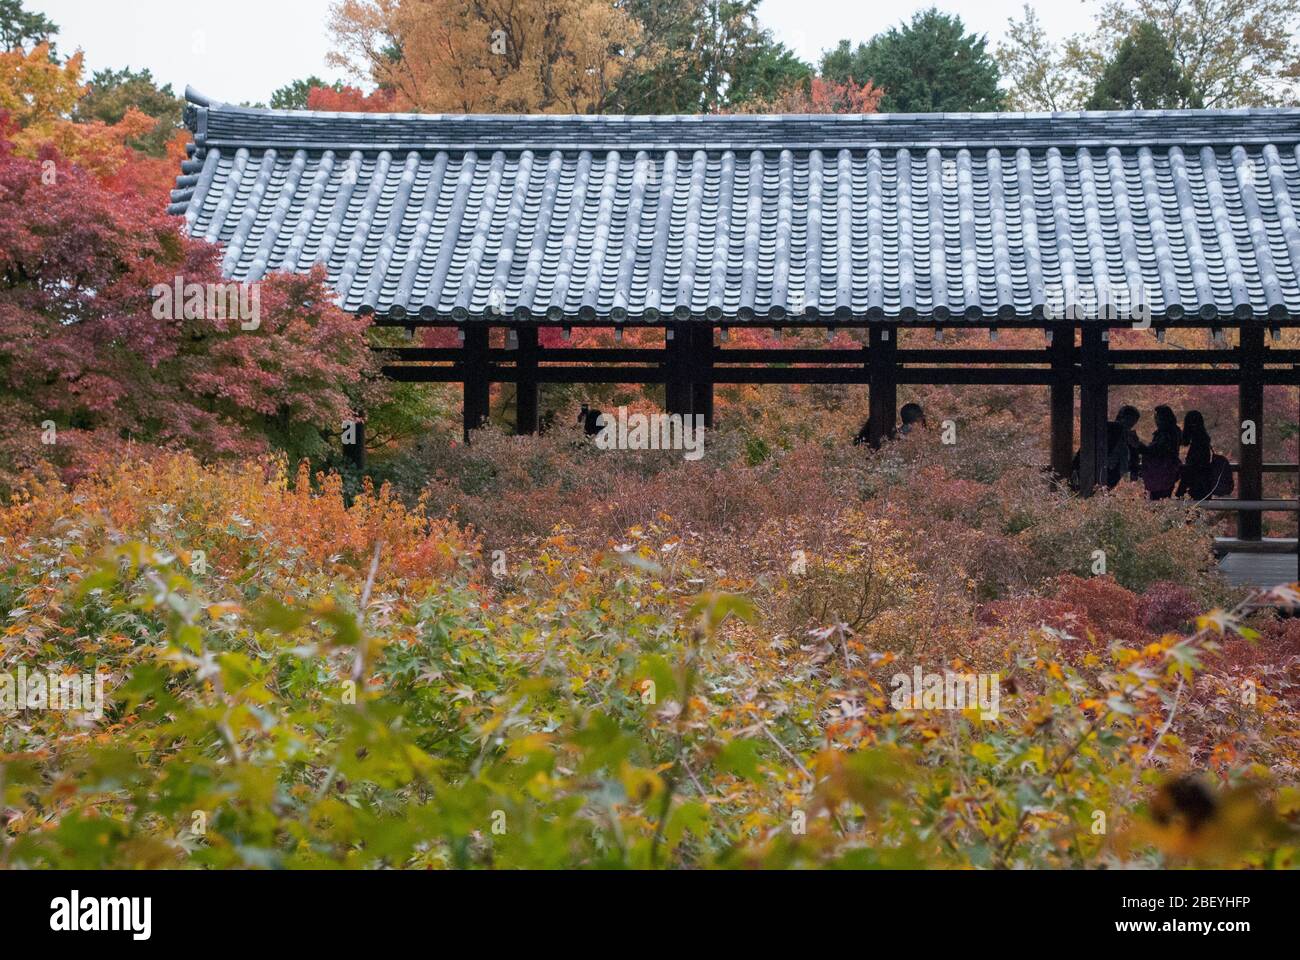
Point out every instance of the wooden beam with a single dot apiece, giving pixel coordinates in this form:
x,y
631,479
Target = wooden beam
x,y
1271,545
956,375
1238,503
1061,400
1093,410
676,367
1224,361
526,393
882,373
702,354
355,452
858,322
477,382
1250,406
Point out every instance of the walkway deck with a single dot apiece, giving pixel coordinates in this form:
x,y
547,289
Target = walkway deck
x,y
1259,569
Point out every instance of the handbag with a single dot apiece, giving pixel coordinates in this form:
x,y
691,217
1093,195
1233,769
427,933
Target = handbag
x,y
1221,475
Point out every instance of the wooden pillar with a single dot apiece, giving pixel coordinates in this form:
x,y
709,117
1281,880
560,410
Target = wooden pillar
x,y
1061,354
355,452
526,394
1250,407
1093,408
677,360
476,407
882,375
702,378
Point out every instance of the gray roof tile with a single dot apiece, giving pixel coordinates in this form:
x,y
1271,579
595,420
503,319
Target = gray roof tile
x,y
733,218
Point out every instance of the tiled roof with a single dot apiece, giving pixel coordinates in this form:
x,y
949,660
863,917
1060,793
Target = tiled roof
x,y
751,218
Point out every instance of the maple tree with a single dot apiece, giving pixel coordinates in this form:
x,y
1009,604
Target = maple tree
x,y
35,89
80,344
823,95
685,700
48,106
347,99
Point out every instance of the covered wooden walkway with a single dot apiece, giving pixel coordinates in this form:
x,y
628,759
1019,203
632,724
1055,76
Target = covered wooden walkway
x,y
1074,224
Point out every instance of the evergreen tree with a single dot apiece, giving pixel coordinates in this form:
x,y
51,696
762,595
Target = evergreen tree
x,y
22,28
1144,76
112,92
705,56
931,65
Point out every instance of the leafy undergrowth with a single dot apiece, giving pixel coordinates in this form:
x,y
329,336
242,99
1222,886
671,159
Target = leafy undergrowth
x,y
298,683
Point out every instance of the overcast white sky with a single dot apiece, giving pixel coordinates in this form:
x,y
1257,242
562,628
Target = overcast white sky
x,y
241,50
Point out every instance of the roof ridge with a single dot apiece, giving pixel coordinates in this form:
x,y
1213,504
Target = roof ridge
x,y
198,99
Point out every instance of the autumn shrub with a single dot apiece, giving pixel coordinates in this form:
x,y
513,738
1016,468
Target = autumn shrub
x,y
644,662
236,515
350,684
1167,606
509,487
852,582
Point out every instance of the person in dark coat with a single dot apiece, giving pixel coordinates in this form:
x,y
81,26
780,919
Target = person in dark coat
x,y
913,417
1196,480
589,420
1122,446
1161,465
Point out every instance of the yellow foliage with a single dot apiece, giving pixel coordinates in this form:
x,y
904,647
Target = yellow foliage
x,y
37,91
231,512
496,56
39,95
97,147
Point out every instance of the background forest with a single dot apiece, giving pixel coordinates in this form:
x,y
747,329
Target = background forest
x,y
526,651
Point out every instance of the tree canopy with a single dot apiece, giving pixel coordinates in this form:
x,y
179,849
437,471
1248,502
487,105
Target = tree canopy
x,y
81,343
1232,53
24,28
931,64
1144,76
112,93
294,95
487,56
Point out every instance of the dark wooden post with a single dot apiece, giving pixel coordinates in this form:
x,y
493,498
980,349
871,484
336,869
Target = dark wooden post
x,y
477,386
882,376
702,378
355,452
1250,406
677,361
1061,353
526,392
1093,408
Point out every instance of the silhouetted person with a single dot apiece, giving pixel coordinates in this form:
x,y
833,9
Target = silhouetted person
x,y
1121,446
913,417
1160,463
1198,479
589,420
